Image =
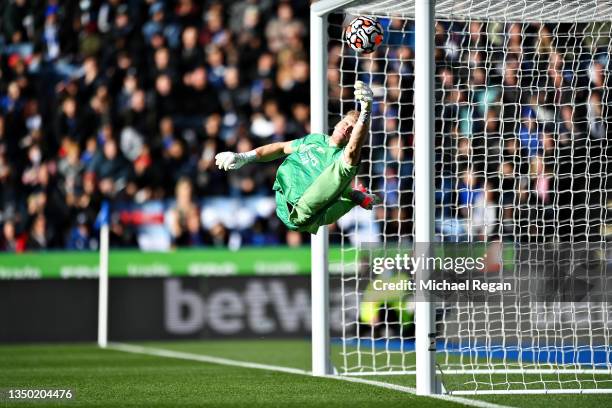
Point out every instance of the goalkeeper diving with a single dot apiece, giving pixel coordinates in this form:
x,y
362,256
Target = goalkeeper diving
x,y
313,184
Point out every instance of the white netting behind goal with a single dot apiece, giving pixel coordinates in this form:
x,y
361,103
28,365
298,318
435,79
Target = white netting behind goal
x,y
522,151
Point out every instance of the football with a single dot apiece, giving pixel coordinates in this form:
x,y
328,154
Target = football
x,y
364,34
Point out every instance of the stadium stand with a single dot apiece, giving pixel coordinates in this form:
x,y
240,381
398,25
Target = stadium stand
x,y
131,100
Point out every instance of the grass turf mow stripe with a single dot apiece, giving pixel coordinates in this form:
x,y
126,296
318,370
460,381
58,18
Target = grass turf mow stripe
x,y
129,348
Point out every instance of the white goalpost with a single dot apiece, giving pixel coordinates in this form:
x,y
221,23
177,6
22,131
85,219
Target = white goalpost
x,y
424,186
490,125
321,362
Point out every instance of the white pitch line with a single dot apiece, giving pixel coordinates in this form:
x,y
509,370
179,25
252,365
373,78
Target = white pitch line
x,y
129,348
202,358
410,390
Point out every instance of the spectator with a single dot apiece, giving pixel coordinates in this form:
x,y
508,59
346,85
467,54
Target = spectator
x,y
595,116
234,98
214,31
110,168
191,54
282,27
69,122
9,241
90,81
199,99
484,216
12,21
528,134
138,116
12,101
70,169
39,237
156,22
165,97
469,192
80,236
183,218
163,63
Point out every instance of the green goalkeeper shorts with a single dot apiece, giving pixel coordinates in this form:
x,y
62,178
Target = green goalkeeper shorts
x,y
323,202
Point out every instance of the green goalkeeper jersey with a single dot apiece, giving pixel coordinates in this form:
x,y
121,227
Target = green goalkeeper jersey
x,y
311,155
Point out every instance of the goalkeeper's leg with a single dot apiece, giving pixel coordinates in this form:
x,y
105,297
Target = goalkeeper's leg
x,y
350,198
331,214
324,192
337,207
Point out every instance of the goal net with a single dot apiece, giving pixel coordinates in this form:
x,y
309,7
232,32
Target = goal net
x,y
521,157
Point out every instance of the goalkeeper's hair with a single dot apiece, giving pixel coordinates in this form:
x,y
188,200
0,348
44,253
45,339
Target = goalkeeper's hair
x,y
353,114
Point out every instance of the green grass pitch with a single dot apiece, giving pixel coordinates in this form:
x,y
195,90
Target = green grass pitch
x,y
103,378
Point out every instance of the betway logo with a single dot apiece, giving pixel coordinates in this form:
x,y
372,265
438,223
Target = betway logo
x,y
259,306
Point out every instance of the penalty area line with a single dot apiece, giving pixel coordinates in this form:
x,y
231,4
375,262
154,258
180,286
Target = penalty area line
x,y
157,352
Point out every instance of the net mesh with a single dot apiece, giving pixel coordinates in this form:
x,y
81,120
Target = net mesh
x,y
522,152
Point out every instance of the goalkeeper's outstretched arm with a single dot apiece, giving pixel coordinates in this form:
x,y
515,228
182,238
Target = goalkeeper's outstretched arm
x,y
269,152
352,152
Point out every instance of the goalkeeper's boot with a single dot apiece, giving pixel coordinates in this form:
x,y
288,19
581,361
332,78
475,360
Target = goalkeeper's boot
x,y
365,199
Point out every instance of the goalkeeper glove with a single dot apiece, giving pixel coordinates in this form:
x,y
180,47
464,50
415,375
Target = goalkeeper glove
x,y
233,161
364,95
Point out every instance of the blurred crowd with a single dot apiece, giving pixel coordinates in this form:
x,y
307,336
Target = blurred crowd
x,y
525,117
522,129
130,100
